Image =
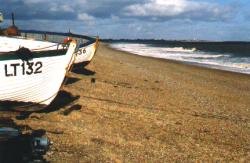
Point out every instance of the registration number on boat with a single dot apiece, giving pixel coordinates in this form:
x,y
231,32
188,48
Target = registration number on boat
x,y
25,68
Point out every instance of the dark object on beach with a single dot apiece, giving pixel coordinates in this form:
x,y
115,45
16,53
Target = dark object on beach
x,y
7,133
16,147
39,146
93,80
23,116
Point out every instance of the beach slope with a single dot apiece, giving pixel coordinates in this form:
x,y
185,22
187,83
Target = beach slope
x,y
128,108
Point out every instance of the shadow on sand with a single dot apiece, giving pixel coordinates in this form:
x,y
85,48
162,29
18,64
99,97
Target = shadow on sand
x,y
62,100
71,80
82,71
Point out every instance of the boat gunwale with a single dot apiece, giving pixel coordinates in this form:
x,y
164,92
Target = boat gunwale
x,y
69,34
35,54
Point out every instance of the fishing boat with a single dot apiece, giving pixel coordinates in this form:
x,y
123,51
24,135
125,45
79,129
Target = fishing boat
x,y
86,45
32,72
86,52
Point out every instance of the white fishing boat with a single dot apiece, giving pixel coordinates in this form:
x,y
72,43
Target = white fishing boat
x,y
86,48
86,52
32,72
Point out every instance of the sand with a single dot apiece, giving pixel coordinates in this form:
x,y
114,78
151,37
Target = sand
x,y
128,108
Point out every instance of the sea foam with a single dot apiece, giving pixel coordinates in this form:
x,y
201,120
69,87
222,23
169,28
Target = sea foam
x,y
223,61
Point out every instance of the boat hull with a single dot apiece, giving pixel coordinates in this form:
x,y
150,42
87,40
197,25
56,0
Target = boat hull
x,y
85,54
33,84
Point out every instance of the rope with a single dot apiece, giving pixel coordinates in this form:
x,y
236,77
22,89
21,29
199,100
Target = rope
x,y
45,47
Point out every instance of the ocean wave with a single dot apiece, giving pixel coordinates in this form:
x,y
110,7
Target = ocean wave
x,y
163,52
209,59
144,46
180,49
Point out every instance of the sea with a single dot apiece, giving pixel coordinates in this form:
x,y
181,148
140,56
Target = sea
x,y
229,56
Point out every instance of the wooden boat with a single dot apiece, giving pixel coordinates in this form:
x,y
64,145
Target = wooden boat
x,y
86,48
32,72
86,52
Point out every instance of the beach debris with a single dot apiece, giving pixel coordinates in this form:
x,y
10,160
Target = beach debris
x,y
93,80
7,133
15,146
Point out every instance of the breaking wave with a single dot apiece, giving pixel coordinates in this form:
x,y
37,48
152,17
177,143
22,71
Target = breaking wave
x,y
224,61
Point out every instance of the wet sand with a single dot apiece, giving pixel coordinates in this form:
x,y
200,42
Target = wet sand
x,y
128,108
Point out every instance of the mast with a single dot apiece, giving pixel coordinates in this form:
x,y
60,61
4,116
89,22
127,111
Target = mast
x,y
13,19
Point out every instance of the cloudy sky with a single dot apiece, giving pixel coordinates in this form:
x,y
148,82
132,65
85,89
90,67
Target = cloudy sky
x,y
158,19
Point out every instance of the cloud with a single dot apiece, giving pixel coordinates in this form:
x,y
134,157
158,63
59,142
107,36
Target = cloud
x,y
151,10
170,19
35,1
42,9
179,9
85,17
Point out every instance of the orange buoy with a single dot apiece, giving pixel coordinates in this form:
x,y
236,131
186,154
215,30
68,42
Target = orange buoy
x,y
66,40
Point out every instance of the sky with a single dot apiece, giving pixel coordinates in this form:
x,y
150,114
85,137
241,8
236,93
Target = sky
x,y
220,20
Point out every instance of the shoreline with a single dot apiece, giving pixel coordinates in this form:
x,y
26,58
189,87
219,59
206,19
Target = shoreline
x,y
206,66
